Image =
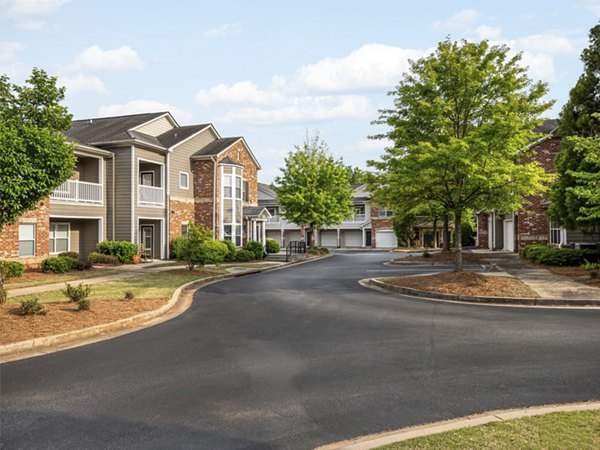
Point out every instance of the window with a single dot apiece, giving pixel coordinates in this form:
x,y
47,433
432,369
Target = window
x,y
184,229
227,232
245,191
26,239
238,187
227,186
184,180
231,206
59,237
147,178
384,213
556,234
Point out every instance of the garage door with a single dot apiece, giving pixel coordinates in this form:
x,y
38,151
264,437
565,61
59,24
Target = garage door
x,y
352,238
385,239
328,238
291,236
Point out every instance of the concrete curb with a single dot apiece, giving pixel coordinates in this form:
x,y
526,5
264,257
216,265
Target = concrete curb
x,y
506,301
373,441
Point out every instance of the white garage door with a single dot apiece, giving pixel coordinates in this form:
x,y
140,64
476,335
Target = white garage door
x,y
291,236
385,239
352,238
328,238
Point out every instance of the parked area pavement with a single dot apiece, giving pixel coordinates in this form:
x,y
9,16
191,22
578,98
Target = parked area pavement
x,y
298,358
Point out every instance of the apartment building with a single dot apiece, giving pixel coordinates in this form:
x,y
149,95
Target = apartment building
x,y
143,178
369,227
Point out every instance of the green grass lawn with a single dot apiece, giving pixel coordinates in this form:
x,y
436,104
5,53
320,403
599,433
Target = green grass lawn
x,y
146,285
17,283
562,430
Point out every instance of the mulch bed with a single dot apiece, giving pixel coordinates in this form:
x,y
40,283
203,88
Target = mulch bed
x,y
445,256
466,283
63,317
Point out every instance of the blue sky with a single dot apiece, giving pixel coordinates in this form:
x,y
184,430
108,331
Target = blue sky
x,y
271,70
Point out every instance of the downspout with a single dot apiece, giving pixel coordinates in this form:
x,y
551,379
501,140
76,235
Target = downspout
x,y
113,197
168,202
134,176
214,208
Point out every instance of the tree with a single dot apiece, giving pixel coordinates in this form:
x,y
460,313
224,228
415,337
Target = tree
x,y
462,120
35,158
356,175
314,188
405,228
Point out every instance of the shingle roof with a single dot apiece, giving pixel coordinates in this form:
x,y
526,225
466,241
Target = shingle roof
x,y
104,129
548,126
267,189
216,147
253,211
172,137
229,160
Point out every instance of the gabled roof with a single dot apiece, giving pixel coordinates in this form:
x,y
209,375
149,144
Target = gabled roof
x,y
232,161
252,212
177,135
267,189
218,146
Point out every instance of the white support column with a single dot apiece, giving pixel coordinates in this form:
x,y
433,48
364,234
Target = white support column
x,y
339,238
264,233
364,238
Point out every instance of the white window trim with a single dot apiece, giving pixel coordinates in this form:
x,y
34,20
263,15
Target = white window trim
x,y
68,237
386,216
234,200
187,178
146,172
34,225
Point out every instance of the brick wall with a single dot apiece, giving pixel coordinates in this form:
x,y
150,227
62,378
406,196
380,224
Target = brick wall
x,y
238,152
203,192
378,224
181,210
9,238
482,230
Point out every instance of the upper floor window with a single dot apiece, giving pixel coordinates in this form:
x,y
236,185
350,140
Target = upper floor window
x,y
227,186
26,239
147,178
184,180
245,191
238,187
385,213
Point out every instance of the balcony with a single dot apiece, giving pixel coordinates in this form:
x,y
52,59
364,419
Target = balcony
x,y
356,218
151,196
75,191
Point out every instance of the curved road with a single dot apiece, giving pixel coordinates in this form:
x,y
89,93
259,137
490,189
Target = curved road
x,y
297,358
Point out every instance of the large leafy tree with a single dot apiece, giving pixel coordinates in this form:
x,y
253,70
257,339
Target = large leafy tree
x,y
461,120
314,188
35,157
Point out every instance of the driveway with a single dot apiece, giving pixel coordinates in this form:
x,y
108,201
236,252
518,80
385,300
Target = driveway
x,y
297,358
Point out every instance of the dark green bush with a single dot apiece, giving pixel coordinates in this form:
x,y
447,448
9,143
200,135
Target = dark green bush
x,y
11,269
84,265
244,255
32,307
59,264
76,293
256,248
532,252
99,258
590,266
272,246
177,246
123,250
84,304
70,254
212,252
317,251
553,256
129,295
230,257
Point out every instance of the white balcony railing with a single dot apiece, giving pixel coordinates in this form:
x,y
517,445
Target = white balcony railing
x,y
75,191
151,196
275,219
356,218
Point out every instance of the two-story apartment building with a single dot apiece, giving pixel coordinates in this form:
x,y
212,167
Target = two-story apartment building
x,y
143,178
369,227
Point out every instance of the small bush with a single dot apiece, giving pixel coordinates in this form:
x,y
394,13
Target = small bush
x,y
595,275
553,256
177,247
317,251
256,248
84,305
129,295
11,269
59,264
123,250
212,252
99,258
69,254
231,250
244,255
32,307
76,293
272,246
590,266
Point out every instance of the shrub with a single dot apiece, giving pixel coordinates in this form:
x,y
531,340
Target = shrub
x,y
59,264
532,252
231,250
70,254
553,256
99,258
84,304
244,255
317,251
212,252
129,295
76,293
191,249
123,250
590,266
11,269
595,275
177,247
272,246
256,248
32,307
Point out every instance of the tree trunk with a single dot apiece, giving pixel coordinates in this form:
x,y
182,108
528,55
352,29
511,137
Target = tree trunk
x,y
458,259
435,239
446,243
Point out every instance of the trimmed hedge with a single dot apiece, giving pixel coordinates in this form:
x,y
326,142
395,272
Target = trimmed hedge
x,y
244,256
59,264
256,248
553,256
317,251
232,251
11,269
123,250
70,254
100,258
272,246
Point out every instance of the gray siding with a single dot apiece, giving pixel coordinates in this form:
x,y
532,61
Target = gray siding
x,y
156,127
123,194
180,162
580,236
148,211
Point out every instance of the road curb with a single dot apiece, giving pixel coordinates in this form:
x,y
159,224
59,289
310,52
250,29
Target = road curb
x,y
506,301
49,344
404,434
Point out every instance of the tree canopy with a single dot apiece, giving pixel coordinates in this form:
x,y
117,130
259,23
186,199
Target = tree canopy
x,y
462,120
314,187
35,157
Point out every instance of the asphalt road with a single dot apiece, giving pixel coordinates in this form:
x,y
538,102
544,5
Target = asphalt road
x,y
298,358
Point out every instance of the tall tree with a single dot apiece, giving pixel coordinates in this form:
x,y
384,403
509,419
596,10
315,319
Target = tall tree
x,y
355,175
461,120
35,157
314,188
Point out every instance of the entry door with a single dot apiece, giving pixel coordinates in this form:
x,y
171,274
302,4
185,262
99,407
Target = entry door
x,y
147,239
509,235
368,238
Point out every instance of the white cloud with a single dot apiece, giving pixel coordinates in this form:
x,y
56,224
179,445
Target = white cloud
x,y
370,66
9,61
541,66
487,32
547,43
458,22
29,14
121,59
222,31
144,106
82,83
241,92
